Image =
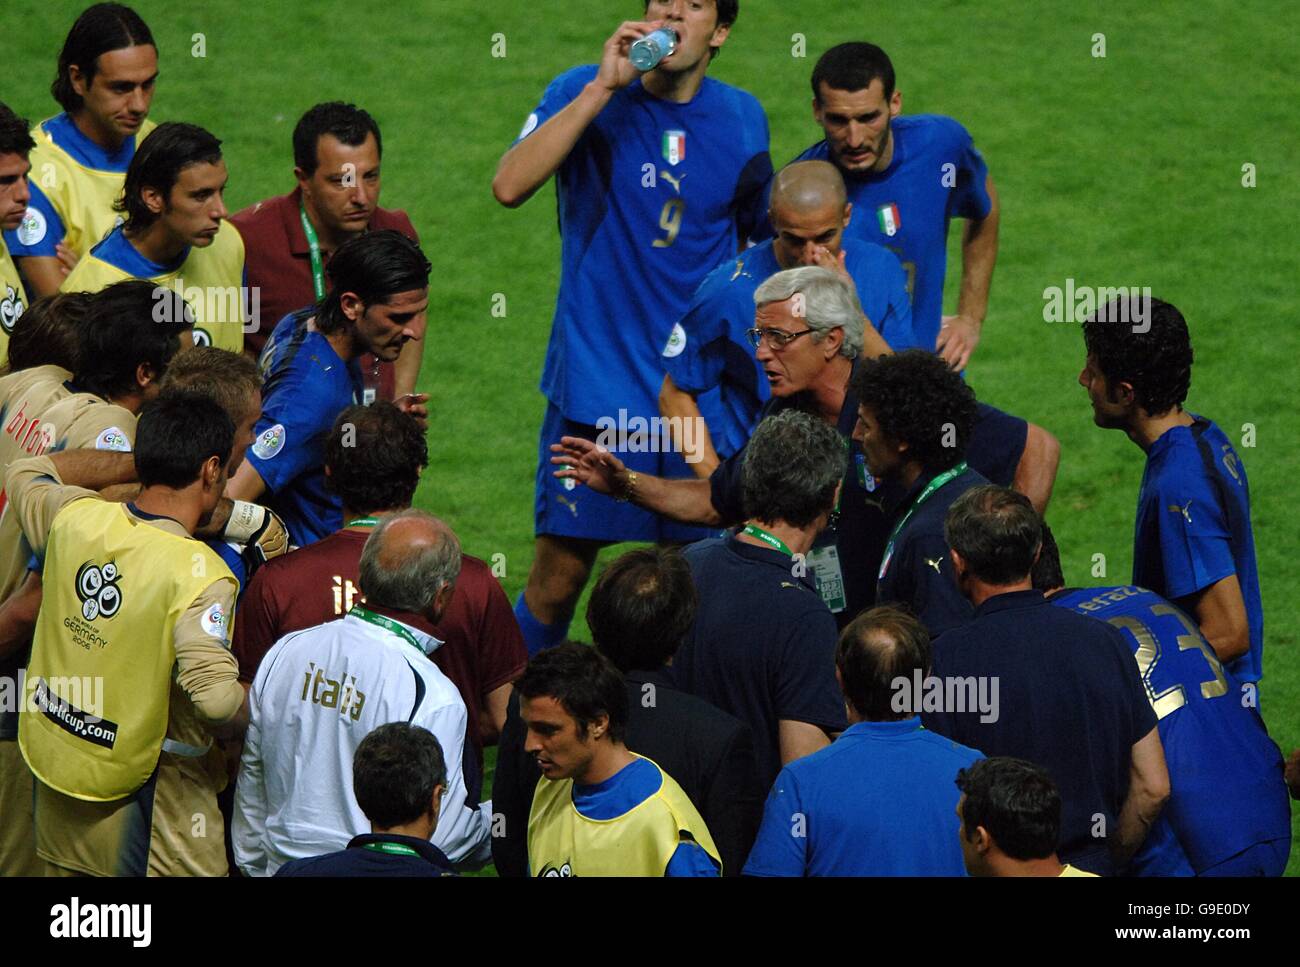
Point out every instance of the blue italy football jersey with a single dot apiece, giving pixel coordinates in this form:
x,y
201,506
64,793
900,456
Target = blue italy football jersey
x,y
1225,772
652,196
707,352
305,385
1193,526
936,174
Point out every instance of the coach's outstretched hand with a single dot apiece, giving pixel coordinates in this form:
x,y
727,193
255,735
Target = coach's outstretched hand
x,y
616,71
588,463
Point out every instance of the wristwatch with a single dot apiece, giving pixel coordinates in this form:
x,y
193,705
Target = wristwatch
x,y
628,489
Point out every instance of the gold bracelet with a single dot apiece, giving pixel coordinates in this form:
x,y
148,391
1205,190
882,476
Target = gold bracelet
x,y
629,488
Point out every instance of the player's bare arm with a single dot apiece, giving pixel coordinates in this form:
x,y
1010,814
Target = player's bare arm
x,y
687,501
45,273
676,402
960,334
528,165
1147,793
246,484
1036,471
1220,610
798,739
18,615
492,719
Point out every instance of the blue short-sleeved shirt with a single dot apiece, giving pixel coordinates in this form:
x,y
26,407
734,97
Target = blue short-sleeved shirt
x,y
1193,526
305,385
708,354
1225,773
1069,699
880,800
762,647
652,196
935,175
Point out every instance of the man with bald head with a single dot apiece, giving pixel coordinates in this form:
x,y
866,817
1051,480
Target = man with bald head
x,y
710,369
319,692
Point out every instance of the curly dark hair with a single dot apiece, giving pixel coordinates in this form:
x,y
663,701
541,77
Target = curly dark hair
x,y
375,454
1155,358
918,400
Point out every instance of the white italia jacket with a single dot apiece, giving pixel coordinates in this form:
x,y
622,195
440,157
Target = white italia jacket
x,y
317,694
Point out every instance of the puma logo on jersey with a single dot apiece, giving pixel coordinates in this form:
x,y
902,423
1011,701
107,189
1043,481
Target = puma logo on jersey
x,y
934,563
567,503
740,270
675,182
1185,510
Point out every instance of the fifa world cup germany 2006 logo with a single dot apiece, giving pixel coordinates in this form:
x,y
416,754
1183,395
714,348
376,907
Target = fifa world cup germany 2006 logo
x,y
98,591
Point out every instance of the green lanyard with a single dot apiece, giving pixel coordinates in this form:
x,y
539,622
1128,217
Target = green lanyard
x,y
388,624
771,540
362,522
313,246
930,488
396,848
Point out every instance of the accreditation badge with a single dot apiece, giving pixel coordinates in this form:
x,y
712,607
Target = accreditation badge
x,y
825,563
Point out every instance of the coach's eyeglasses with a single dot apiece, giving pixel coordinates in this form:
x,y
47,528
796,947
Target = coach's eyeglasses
x,y
777,339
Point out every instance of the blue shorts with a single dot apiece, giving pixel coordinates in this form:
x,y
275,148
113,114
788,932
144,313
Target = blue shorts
x,y
565,508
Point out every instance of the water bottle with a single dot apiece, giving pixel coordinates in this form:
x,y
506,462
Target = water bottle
x,y
647,52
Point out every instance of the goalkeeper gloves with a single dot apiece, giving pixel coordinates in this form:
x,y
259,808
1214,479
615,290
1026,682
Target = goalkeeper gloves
x,y
262,533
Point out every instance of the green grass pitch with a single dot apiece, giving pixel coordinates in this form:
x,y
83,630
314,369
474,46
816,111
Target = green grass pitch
x,y
1125,169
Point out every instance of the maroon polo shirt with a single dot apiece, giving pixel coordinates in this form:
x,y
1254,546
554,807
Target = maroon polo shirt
x,y
482,649
278,261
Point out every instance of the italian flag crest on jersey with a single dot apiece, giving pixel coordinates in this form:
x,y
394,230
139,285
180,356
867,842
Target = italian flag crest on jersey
x,y
674,146
887,216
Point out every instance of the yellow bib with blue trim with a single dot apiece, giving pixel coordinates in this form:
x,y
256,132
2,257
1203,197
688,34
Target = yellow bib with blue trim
x,y
209,279
640,842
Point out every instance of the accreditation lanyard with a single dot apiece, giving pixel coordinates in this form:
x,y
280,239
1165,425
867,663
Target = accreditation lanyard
x,y
313,246
388,624
771,540
930,488
394,848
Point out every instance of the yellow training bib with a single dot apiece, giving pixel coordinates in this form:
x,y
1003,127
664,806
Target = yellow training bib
x,y
563,842
102,654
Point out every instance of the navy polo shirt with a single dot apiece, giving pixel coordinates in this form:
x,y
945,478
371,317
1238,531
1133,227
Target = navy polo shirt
x,y
763,644
358,860
1069,698
881,800
859,531
918,572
